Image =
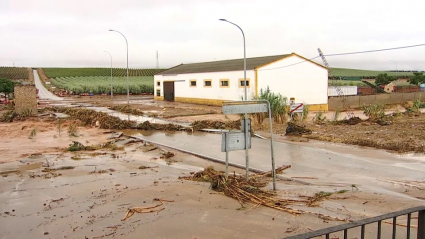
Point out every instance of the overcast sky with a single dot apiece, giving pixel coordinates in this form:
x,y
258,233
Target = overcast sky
x,y
74,33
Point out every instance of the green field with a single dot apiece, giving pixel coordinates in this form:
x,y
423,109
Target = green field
x,y
67,72
14,73
346,83
102,84
341,72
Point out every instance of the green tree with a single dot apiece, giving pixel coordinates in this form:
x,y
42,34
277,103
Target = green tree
x,y
6,86
417,78
384,79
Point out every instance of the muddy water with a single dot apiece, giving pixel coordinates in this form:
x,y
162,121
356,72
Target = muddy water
x,y
84,204
334,165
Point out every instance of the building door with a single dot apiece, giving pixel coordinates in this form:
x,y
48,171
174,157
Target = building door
x,y
169,91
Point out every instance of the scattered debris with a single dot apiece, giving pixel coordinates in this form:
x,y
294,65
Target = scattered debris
x,y
166,154
350,121
90,117
236,186
210,124
73,130
146,167
121,143
306,177
95,171
48,206
32,134
294,129
6,173
115,135
56,169
148,148
127,110
400,224
131,211
46,175
167,127
61,115
77,146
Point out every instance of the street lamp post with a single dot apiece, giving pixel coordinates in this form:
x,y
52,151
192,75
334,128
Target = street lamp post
x,y
396,69
246,97
111,74
126,42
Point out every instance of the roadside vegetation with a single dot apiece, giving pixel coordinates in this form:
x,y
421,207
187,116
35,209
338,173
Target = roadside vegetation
x,y
102,84
68,72
6,87
278,104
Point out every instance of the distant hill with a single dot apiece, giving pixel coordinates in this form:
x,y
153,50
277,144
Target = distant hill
x,y
364,73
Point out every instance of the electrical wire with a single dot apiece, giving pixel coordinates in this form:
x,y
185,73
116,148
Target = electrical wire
x,y
361,52
343,54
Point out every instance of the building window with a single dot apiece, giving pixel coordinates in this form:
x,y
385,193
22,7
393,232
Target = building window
x,y
158,92
224,83
242,83
158,83
207,83
192,83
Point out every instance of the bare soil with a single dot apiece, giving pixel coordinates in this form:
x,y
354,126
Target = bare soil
x,y
17,144
87,194
404,134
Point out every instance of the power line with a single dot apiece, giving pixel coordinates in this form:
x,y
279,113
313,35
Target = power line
x,y
290,64
361,52
347,53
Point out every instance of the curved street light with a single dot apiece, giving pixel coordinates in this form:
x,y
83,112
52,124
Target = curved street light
x,y
246,98
126,42
111,74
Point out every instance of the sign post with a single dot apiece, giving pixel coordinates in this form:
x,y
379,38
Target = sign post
x,y
297,108
233,140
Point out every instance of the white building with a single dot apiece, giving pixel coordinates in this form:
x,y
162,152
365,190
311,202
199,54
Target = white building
x,y
214,82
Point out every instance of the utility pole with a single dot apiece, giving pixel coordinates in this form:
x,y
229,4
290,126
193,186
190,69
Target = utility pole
x,y
157,60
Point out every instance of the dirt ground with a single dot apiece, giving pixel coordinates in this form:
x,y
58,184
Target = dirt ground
x,y
92,193
403,134
47,138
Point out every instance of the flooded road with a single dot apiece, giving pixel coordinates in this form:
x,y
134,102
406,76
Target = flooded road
x,y
336,165
86,194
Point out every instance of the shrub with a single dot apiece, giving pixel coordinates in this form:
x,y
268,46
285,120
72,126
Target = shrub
x,y
278,105
374,112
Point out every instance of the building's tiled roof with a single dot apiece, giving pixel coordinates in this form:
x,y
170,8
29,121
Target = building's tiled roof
x,y
218,66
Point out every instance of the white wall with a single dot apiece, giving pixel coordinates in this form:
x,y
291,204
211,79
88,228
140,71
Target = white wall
x,y
233,92
307,82
346,90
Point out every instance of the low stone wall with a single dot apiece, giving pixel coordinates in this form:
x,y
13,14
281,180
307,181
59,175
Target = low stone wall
x,y
359,101
25,99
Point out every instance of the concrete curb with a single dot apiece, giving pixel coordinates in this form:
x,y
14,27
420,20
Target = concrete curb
x,y
255,170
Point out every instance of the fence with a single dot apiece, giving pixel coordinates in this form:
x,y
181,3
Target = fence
x,y
359,101
420,228
346,90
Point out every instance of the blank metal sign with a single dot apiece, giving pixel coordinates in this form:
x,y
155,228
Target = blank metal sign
x,y
232,141
245,108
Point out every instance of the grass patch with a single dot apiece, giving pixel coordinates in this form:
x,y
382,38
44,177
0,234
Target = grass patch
x,y
73,130
32,134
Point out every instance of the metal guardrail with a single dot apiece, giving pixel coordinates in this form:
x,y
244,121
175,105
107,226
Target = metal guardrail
x,y
362,224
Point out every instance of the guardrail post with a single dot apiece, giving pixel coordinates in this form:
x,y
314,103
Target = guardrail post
x,y
421,224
